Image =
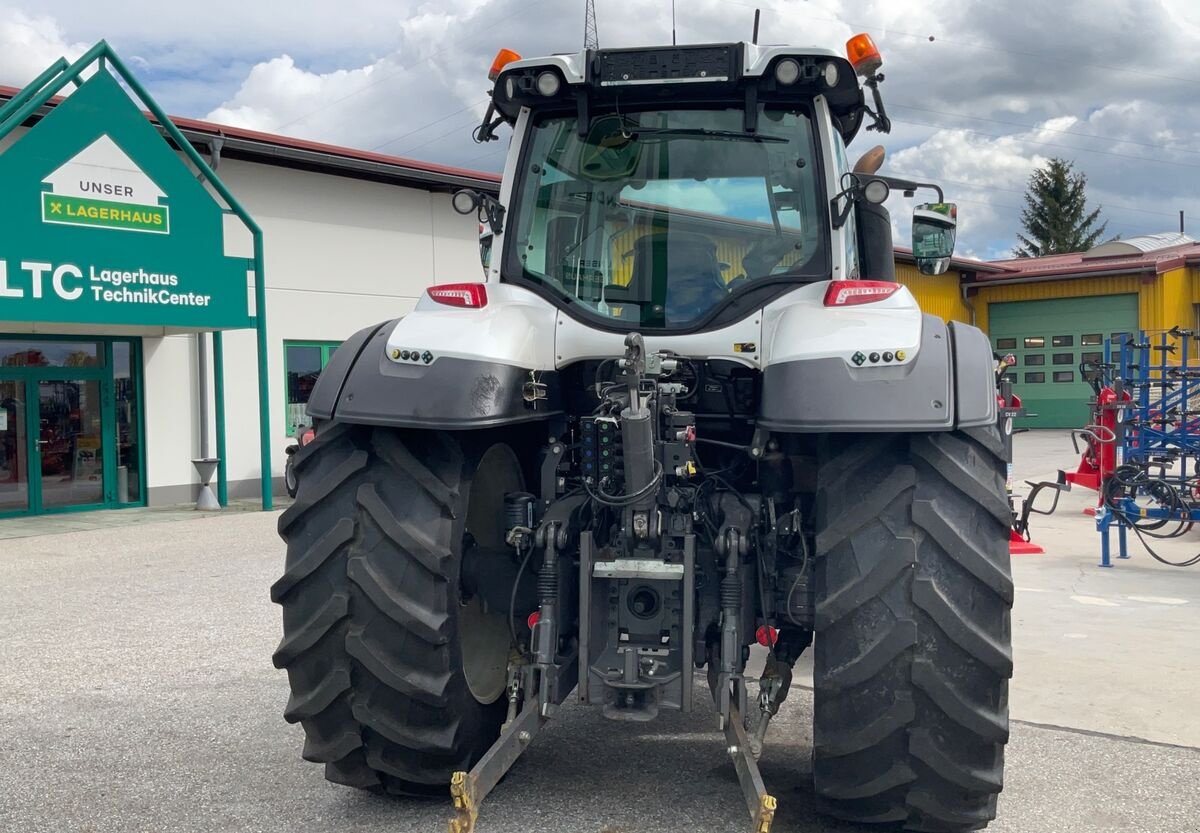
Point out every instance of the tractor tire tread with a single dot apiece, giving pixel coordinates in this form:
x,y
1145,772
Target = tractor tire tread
x,y
912,651
369,596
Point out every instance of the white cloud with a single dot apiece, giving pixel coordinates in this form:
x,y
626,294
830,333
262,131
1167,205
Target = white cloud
x,y
30,44
977,106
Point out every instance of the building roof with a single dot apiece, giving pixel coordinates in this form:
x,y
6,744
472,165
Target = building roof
x,y
286,151
1153,253
961,264
1137,245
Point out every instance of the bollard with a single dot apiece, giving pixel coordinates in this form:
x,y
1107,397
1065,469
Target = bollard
x,y
206,501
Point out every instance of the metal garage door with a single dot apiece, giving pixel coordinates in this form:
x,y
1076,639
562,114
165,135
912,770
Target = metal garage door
x,y
1050,339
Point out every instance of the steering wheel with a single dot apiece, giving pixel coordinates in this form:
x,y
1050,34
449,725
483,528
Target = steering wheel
x,y
740,280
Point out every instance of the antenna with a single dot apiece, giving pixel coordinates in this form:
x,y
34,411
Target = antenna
x,y
672,22
754,40
591,40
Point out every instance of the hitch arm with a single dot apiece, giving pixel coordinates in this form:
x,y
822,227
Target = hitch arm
x,y
469,789
759,802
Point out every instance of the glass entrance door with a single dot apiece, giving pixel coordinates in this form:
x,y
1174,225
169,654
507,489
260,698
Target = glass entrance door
x,y
71,427
14,447
70,443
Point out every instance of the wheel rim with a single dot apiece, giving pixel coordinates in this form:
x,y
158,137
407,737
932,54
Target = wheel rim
x,y
483,634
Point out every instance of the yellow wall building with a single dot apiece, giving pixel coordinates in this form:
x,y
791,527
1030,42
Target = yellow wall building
x,y
1054,313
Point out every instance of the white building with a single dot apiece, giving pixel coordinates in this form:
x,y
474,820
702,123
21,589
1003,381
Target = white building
x,y
102,415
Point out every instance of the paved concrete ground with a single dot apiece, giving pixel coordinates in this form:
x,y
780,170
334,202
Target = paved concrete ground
x,y
137,694
115,518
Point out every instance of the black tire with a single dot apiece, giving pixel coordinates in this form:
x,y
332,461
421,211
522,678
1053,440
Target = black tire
x,y
912,656
373,635
289,475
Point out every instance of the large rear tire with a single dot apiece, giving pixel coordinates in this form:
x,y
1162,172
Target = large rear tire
x,y
912,655
397,679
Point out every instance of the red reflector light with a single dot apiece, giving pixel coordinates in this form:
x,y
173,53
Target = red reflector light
x,y
472,295
766,636
849,293
533,619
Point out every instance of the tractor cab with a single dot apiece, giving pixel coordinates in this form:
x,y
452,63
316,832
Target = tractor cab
x,y
677,188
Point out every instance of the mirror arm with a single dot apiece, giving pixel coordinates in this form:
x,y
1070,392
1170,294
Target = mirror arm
x,y
840,215
486,131
879,116
494,211
909,186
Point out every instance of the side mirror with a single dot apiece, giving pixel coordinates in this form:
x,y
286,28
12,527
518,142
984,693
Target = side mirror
x,y
934,227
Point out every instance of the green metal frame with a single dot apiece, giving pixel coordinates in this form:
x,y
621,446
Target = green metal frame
x,y
327,348
32,376
219,394
58,75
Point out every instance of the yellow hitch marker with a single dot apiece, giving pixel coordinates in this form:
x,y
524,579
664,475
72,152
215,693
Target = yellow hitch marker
x,y
465,811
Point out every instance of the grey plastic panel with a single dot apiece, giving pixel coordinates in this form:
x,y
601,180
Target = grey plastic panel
x,y
325,393
830,395
974,376
450,393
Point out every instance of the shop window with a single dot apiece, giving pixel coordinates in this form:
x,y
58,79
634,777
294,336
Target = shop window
x,y
1035,342
1064,375
1064,358
51,354
1062,341
1006,344
303,362
1035,378
1035,360
1091,339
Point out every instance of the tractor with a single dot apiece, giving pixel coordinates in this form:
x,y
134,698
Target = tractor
x,y
687,414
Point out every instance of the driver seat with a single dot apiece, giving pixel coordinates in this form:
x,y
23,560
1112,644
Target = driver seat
x,y
677,272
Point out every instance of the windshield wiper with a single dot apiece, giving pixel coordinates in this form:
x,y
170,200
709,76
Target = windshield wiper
x,y
701,133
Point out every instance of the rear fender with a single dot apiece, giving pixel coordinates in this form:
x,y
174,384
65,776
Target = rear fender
x,y
826,368
446,367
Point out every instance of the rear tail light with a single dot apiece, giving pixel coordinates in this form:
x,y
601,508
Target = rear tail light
x,y
472,295
849,293
308,436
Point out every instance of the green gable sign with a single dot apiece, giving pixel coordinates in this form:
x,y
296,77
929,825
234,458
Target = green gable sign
x,y
102,222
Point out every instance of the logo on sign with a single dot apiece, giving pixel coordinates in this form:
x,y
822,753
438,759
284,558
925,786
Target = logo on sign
x,y
102,187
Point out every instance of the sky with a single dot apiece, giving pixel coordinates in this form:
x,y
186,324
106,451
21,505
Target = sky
x,y
980,92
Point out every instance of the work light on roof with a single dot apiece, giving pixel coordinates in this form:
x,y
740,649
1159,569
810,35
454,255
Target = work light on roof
x,y
787,71
548,83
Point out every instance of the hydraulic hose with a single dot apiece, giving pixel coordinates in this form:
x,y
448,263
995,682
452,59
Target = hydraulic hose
x,y
1131,478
